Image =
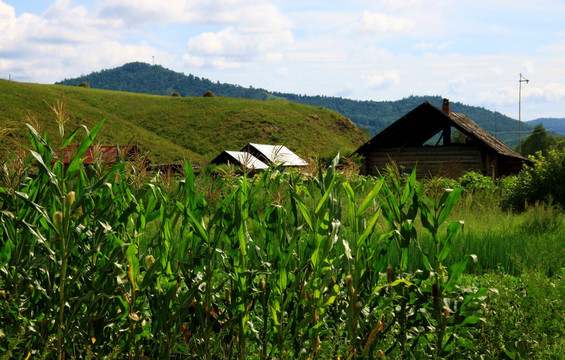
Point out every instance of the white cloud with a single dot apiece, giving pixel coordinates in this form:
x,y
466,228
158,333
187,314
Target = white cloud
x,y
135,13
455,85
250,14
428,46
242,31
7,24
380,23
552,92
383,80
555,92
62,42
232,48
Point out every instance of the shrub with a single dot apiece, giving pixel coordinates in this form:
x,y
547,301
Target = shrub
x,y
474,181
544,181
175,94
209,93
84,85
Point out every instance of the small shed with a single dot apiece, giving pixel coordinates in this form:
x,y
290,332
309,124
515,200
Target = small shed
x,y
274,154
240,158
109,154
406,143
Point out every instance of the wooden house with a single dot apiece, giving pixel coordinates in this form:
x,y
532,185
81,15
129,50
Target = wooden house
x,y
104,154
406,142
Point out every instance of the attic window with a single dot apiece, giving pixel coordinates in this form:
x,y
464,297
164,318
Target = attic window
x,y
441,138
459,138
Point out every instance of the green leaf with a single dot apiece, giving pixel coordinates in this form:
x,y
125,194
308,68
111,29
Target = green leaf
x,y
470,297
6,252
370,197
471,320
351,201
426,262
77,160
325,197
448,204
454,272
303,209
71,137
197,226
189,182
369,228
404,258
401,281
150,275
133,269
52,177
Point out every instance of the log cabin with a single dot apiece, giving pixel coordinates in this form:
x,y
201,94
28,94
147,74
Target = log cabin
x,y
407,144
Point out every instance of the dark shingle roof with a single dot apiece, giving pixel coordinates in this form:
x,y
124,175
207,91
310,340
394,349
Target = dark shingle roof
x,y
471,129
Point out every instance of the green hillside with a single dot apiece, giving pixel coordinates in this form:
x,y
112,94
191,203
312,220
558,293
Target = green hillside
x,y
174,128
371,115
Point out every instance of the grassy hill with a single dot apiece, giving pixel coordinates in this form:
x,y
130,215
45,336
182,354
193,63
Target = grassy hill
x,y
371,115
174,128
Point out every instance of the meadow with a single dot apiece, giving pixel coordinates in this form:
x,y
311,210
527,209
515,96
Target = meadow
x,y
111,262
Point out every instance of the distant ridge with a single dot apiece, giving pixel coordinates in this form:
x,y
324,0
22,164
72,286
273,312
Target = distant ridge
x,y
551,124
374,116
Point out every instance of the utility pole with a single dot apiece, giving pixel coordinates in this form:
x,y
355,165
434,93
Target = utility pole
x,y
495,128
520,81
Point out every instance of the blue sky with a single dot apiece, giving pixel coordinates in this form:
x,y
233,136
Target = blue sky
x,y
467,51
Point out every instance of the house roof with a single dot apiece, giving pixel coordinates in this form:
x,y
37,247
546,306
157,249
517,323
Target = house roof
x,y
275,154
242,158
106,153
426,120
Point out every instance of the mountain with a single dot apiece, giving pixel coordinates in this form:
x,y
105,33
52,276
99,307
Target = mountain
x,y
372,115
551,124
172,128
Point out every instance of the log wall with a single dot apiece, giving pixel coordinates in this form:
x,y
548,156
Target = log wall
x,y
445,161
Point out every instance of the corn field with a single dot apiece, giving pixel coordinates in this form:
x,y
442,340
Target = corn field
x,y
106,263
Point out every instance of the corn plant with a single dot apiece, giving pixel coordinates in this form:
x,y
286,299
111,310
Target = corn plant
x,y
107,263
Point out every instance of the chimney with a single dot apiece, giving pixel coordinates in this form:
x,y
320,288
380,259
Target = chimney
x,y
445,107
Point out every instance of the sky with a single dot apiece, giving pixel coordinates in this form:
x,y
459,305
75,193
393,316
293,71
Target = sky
x,y
471,52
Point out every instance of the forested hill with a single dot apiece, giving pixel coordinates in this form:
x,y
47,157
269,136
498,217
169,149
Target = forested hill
x,y
144,78
373,115
551,124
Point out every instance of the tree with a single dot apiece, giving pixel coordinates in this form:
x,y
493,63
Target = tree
x,y
538,140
